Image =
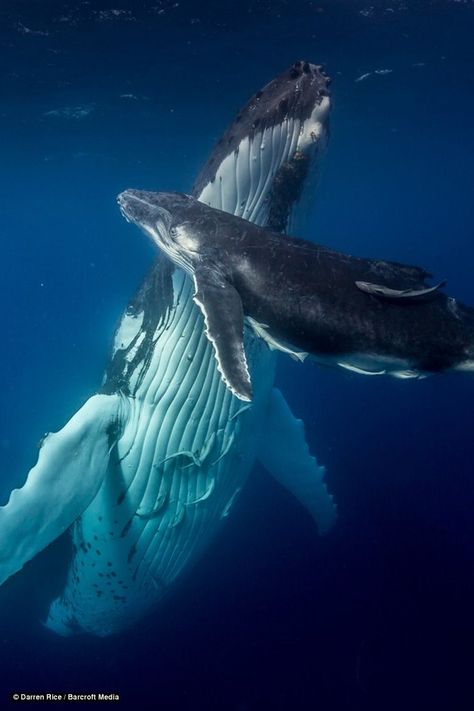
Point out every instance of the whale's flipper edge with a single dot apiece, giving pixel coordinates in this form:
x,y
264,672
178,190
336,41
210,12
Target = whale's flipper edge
x,y
71,467
223,314
285,454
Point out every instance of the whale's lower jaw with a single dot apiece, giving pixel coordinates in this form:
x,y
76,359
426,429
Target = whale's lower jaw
x,y
198,442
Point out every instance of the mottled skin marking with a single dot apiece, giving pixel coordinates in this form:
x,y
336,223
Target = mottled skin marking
x,y
268,107
305,293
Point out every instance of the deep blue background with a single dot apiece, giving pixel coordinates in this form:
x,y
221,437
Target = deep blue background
x,y
379,613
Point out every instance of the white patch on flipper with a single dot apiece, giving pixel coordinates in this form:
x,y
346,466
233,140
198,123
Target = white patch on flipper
x,y
243,363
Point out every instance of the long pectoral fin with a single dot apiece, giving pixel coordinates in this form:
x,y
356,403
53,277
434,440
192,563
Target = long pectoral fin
x,y
71,467
285,454
223,313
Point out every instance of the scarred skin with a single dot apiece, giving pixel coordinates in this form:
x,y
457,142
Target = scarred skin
x,y
306,294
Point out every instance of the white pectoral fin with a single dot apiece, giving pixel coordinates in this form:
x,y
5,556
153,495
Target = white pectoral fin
x,y
71,467
285,454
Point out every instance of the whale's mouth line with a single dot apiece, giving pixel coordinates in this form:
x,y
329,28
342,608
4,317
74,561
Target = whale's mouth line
x,y
151,219
122,206
124,214
127,199
123,199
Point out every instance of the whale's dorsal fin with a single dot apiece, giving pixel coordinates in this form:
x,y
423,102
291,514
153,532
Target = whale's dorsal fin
x,y
385,292
223,313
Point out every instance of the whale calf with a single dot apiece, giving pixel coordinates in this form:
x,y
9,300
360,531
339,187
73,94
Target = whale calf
x,y
144,474
305,296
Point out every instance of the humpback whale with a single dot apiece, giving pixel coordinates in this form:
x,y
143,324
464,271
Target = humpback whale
x,y
308,297
144,473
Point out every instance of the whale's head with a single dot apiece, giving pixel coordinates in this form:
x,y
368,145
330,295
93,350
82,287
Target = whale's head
x,y
292,109
169,219
269,158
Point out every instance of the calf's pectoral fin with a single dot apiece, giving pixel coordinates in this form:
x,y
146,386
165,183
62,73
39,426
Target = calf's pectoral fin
x,y
223,313
71,467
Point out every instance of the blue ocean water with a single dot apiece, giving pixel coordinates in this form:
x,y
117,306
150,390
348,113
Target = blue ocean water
x,y
98,97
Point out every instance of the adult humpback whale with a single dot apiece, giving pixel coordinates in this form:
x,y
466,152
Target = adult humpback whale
x,y
146,469
300,295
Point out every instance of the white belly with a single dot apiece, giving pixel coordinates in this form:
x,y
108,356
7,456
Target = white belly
x,y
188,444
186,450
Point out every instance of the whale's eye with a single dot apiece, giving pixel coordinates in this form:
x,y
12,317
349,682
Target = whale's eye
x,y
174,232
